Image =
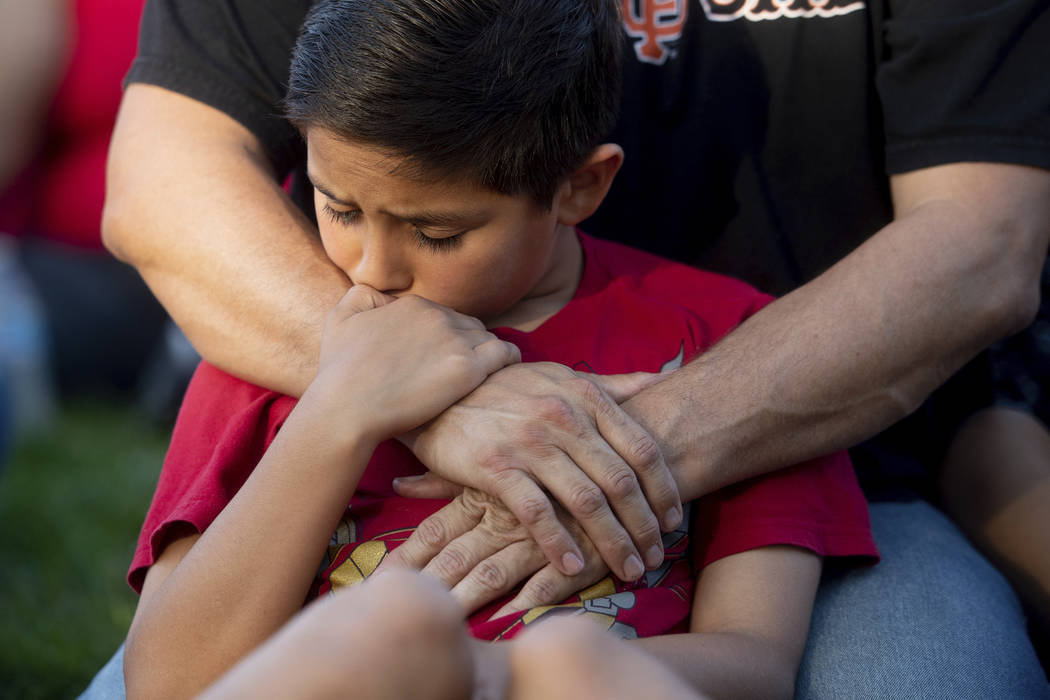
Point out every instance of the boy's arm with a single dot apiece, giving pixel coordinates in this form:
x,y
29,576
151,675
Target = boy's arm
x,y
193,203
209,600
751,614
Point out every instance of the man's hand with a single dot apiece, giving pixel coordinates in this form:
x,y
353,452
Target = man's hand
x,y
542,426
481,551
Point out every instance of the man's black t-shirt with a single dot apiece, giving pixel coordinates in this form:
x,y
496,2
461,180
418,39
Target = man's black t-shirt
x,y
758,133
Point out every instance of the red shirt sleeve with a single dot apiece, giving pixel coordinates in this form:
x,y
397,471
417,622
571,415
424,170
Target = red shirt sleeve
x,y
816,505
223,430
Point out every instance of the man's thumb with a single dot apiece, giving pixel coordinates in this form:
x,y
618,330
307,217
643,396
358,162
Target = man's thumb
x,y
428,485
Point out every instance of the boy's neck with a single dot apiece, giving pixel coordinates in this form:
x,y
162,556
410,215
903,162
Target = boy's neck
x,y
554,290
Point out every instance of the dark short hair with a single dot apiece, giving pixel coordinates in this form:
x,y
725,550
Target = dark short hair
x,y
512,95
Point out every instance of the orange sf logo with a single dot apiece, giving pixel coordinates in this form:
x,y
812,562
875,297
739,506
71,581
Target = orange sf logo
x,y
655,25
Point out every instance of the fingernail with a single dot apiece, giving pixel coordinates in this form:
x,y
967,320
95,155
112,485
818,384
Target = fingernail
x,y
632,568
407,479
654,557
571,563
672,519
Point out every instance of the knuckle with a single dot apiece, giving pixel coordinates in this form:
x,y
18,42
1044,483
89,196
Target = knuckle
x,y
474,501
591,394
491,576
501,520
542,589
643,454
532,510
431,532
554,410
622,484
451,562
586,500
494,460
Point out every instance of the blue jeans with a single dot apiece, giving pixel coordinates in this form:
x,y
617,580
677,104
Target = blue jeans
x,y
932,620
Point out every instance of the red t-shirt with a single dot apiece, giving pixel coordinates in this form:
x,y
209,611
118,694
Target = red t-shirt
x,y
632,312
61,193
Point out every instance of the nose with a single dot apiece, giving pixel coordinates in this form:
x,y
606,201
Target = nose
x,y
381,265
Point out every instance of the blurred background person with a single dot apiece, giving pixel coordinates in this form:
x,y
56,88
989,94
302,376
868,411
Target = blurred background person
x,y
73,316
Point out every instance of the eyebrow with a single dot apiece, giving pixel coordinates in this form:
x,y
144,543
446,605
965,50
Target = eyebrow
x,y
434,219
325,191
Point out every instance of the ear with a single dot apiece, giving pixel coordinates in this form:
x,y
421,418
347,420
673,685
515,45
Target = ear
x,y
587,186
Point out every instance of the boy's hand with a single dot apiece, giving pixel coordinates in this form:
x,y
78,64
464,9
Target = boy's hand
x,y
542,426
396,363
477,548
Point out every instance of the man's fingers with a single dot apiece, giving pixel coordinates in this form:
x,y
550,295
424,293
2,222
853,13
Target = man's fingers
x,y
497,574
428,485
433,534
586,502
642,454
533,509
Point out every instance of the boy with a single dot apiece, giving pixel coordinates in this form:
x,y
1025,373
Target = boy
x,y
453,146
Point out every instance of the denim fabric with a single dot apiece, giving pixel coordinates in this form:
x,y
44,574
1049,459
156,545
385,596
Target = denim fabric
x,y
932,620
108,684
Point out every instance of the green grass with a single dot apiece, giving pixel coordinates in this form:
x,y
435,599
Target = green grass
x,y
71,503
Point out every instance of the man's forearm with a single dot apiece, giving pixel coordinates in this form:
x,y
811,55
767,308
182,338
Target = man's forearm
x,y
192,204
861,346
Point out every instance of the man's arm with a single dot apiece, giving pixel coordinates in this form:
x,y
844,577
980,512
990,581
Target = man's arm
x,y
862,345
823,368
193,203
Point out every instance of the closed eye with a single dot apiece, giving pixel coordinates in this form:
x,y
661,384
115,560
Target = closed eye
x,y
438,245
341,217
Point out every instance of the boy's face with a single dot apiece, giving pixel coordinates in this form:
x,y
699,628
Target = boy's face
x,y
469,248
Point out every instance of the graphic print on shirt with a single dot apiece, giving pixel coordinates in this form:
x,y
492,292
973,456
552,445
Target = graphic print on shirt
x,y
655,25
761,10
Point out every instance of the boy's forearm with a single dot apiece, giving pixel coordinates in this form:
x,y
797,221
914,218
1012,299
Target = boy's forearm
x,y
193,204
250,571
726,665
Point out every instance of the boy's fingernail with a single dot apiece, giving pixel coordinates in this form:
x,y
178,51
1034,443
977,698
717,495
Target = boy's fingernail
x,y
654,557
571,563
672,519
633,568
407,479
